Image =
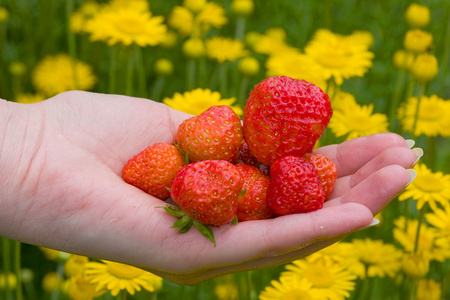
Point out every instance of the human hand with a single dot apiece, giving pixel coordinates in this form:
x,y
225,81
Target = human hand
x,y
62,188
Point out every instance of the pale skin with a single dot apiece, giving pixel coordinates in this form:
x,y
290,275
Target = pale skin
x,y
61,187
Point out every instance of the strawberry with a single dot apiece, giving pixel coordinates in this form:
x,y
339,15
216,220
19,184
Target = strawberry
x,y
215,134
284,116
252,205
295,186
207,193
247,158
326,169
153,169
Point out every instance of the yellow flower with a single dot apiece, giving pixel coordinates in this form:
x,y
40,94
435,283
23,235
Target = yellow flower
x,y
432,117
440,219
51,282
8,281
82,289
249,66
377,258
198,100
182,20
126,25
403,59
225,49
163,66
194,5
296,65
194,48
340,57
363,37
212,15
82,14
273,41
430,244
417,41
428,289
353,120
330,279
170,40
141,5
4,14
415,265
289,288
29,98
417,16
60,73
116,277
17,68
424,68
242,8
428,187
75,265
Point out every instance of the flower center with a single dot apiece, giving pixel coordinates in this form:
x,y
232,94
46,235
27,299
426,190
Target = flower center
x,y
319,276
296,295
428,183
336,59
123,271
429,111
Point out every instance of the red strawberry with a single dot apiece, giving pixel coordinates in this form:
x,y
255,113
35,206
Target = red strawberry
x,y
284,116
326,169
253,205
153,169
215,134
295,186
207,193
246,157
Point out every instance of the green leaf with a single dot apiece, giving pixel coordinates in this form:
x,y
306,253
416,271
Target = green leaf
x,y
186,228
184,154
205,231
234,221
242,193
173,210
182,222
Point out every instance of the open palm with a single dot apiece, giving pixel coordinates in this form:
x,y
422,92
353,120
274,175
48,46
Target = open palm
x,y
71,195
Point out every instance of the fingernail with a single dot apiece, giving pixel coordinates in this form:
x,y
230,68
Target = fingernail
x,y
419,153
371,224
410,143
412,175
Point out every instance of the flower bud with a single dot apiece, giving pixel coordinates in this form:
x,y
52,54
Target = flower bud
x,y
17,68
170,40
415,265
417,16
194,48
194,6
418,41
424,68
249,66
403,59
163,66
242,8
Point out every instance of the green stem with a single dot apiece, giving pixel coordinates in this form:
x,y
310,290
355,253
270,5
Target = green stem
x,y
396,98
72,43
6,249
240,28
157,88
141,80
431,152
129,56
123,295
223,79
17,269
421,92
190,74
419,226
112,69
250,292
242,98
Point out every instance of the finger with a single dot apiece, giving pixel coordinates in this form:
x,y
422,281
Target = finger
x,y
351,155
376,190
401,156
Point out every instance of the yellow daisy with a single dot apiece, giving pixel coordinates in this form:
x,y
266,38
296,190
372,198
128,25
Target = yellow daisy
x,y
116,277
126,25
330,279
432,116
294,64
82,14
198,100
430,244
182,20
440,219
428,187
340,57
353,120
273,41
211,15
428,289
424,68
415,265
376,258
289,288
225,49
79,288
417,41
60,73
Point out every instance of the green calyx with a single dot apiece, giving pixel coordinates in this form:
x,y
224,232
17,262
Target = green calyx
x,y
184,223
